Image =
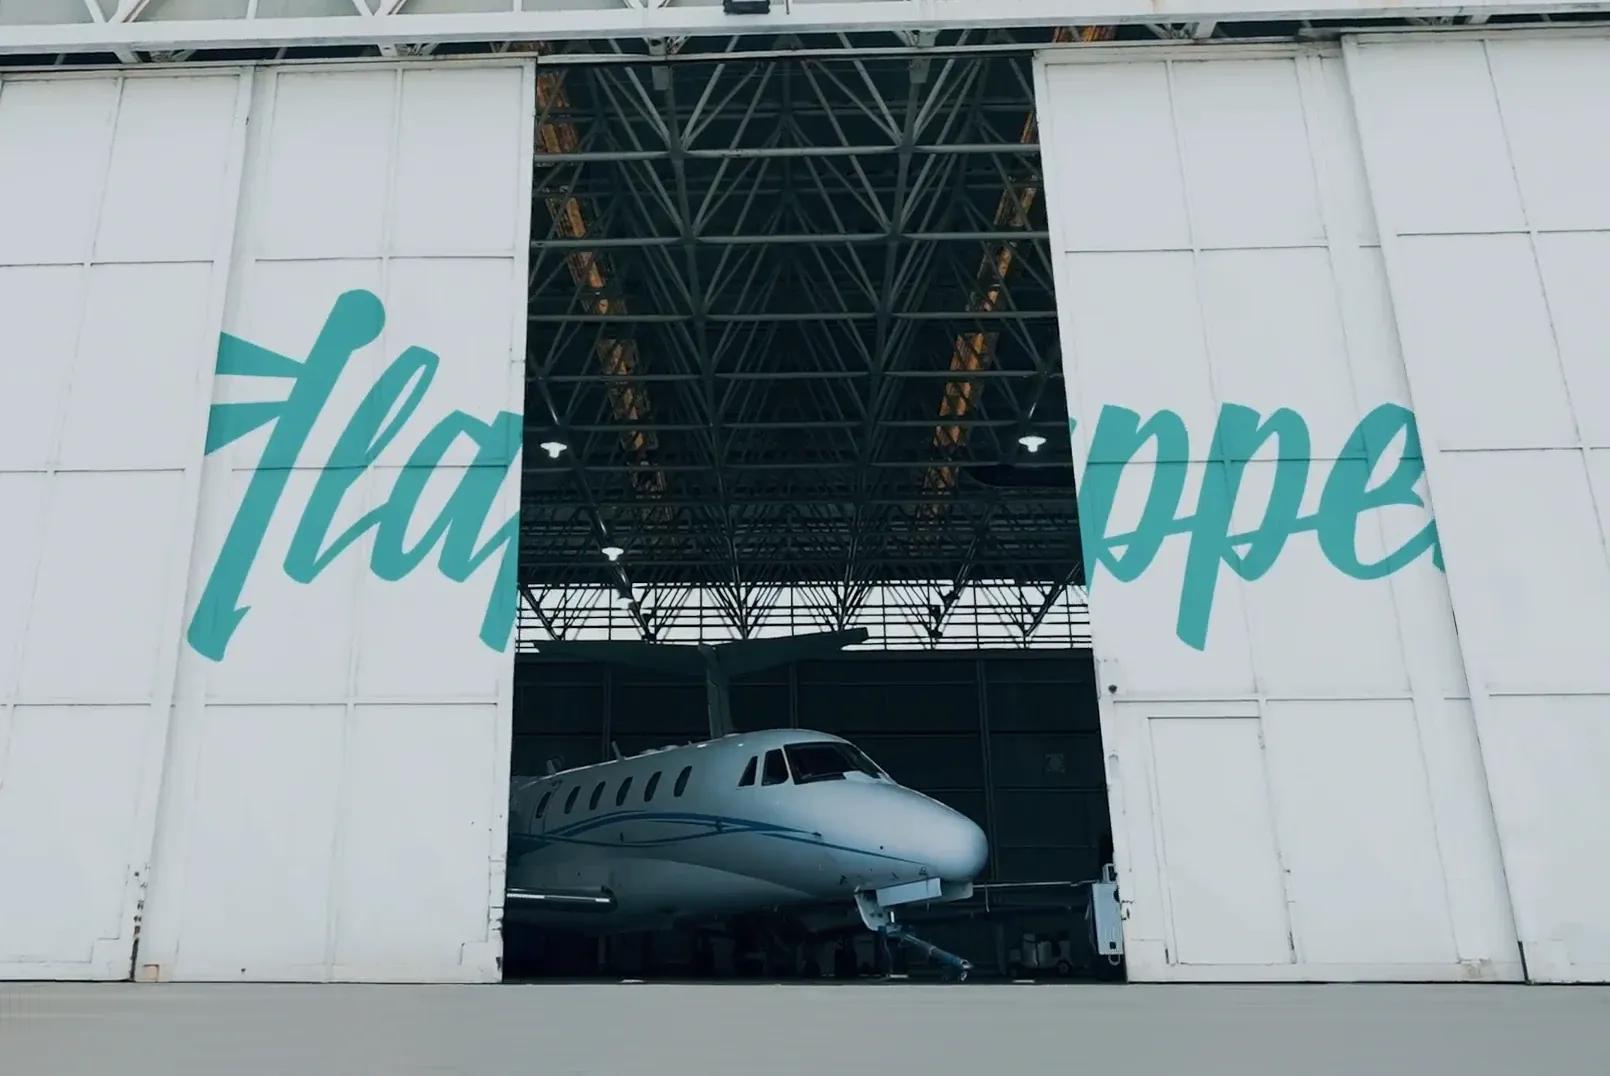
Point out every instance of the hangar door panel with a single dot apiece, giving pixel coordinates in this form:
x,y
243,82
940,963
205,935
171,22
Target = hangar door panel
x,y
1492,208
117,196
1226,901
116,200
1256,535
339,771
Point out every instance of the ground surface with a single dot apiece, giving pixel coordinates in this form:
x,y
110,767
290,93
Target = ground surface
x,y
616,1030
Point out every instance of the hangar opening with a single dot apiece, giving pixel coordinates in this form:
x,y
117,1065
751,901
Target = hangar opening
x,y
797,474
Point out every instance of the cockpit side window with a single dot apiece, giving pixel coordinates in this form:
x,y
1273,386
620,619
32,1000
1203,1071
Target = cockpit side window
x,y
682,781
827,760
653,783
620,796
570,800
862,762
749,774
542,804
592,804
776,772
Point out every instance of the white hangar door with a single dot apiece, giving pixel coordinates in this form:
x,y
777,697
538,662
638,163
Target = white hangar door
x,y
1294,773
1489,168
335,799
117,201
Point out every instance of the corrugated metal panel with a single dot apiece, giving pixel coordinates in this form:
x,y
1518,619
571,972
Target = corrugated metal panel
x,y
1288,734
1490,179
117,198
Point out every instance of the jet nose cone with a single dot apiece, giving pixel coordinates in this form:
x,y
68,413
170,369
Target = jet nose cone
x,y
961,849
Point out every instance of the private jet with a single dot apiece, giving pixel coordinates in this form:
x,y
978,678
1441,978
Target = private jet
x,y
744,823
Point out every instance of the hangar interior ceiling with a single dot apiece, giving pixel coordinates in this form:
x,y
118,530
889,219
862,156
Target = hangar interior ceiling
x,y
793,321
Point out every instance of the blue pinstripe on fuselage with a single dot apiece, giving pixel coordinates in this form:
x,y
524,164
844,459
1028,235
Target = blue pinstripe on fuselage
x,y
705,825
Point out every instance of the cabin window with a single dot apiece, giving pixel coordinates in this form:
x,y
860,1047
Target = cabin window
x,y
542,804
570,800
682,781
620,797
592,804
653,783
749,774
776,769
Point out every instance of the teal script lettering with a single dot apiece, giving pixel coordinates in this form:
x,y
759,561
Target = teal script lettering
x,y
1120,436
354,322
1211,542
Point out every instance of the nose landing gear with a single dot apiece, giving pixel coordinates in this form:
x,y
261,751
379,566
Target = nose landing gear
x,y
879,919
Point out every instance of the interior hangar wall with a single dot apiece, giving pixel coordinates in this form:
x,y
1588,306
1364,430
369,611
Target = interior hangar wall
x,y
1297,783
259,444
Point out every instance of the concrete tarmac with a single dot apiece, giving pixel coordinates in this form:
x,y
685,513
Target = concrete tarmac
x,y
980,1030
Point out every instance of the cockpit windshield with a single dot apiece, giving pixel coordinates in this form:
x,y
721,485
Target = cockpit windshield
x,y
828,760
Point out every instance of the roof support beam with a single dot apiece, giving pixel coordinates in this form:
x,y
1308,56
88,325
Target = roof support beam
x,y
96,15
691,20
786,239
792,366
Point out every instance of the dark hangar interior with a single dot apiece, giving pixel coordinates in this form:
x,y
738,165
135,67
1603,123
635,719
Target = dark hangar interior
x,y
792,319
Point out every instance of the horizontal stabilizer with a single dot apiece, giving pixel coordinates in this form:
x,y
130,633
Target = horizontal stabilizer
x,y
662,657
734,658
716,664
753,655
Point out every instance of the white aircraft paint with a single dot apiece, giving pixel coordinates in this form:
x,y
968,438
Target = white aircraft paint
x,y
749,822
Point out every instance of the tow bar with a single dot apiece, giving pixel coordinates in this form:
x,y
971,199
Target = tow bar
x,y
879,918
960,966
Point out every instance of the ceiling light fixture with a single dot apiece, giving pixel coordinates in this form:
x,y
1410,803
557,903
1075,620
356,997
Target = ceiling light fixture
x,y
1031,441
613,552
554,448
